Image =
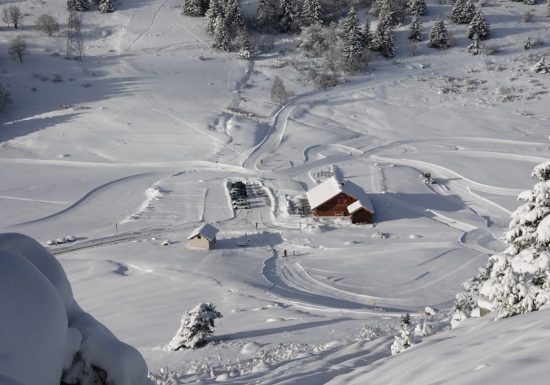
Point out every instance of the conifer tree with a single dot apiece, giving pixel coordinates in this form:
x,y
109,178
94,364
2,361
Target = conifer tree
x,y
405,339
462,12
77,5
212,14
192,8
474,47
286,16
221,35
478,26
382,40
439,37
367,35
352,52
196,326
106,6
311,13
246,50
233,16
267,14
417,8
415,32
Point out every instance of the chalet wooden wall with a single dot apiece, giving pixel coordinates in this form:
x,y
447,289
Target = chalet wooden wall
x,y
335,207
361,216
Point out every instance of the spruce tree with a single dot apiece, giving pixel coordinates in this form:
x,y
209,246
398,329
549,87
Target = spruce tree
x,y
478,26
517,280
415,32
367,35
221,35
212,14
439,37
77,5
192,8
243,43
462,12
474,47
233,16
106,6
382,40
196,326
267,15
311,13
352,52
405,339
286,16
417,8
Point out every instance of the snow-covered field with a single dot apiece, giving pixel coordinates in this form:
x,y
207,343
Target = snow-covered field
x,y
137,143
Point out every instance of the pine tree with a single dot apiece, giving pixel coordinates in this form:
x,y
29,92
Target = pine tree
x,y
311,13
382,40
415,32
439,37
367,35
474,47
518,280
478,26
77,5
106,6
214,10
352,52
404,340
233,16
246,50
279,94
267,14
221,35
286,16
417,8
192,8
462,12
196,326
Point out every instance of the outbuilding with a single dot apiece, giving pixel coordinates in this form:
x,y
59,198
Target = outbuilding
x,y
333,198
203,238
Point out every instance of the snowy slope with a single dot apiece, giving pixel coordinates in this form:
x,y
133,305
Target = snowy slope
x,y
137,144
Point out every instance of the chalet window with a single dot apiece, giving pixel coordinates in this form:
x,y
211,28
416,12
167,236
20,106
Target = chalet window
x,y
341,198
198,237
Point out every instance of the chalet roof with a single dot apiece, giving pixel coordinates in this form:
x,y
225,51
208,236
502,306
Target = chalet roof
x,y
207,231
332,187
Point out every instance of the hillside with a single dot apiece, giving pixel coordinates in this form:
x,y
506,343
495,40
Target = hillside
x,y
136,144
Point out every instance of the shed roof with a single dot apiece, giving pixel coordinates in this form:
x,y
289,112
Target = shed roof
x,y
332,187
207,231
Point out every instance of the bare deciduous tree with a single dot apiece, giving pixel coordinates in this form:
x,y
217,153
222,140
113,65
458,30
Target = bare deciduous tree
x,y
75,43
47,24
12,15
17,49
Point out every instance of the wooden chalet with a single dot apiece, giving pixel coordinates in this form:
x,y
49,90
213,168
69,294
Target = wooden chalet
x,y
204,237
336,199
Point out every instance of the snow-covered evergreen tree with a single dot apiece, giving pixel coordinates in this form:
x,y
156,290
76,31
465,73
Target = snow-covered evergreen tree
x,y
106,6
439,37
311,13
352,52
415,32
367,35
221,35
279,94
233,16
541,67
478,26
77,5
214,10
462,12
404,339
518,280
267,15
246,50
286,16
196,326
192,8
474,48
382,39
417,8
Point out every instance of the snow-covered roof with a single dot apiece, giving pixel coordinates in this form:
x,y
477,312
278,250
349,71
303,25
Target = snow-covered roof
x,y
332,187
207,231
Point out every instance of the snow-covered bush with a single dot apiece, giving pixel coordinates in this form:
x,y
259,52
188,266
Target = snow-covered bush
x,y
196,326
518,280
404,339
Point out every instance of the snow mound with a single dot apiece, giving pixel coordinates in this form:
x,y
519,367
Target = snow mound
x,y
44,331
250,348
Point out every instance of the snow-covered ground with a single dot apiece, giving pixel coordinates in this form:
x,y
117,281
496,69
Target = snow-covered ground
x,y
137,144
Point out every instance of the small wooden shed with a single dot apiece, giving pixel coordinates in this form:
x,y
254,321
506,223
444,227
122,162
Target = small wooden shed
x,y
361,211
203,238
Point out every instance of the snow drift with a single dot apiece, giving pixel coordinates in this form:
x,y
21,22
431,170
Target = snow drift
x,y
45,334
